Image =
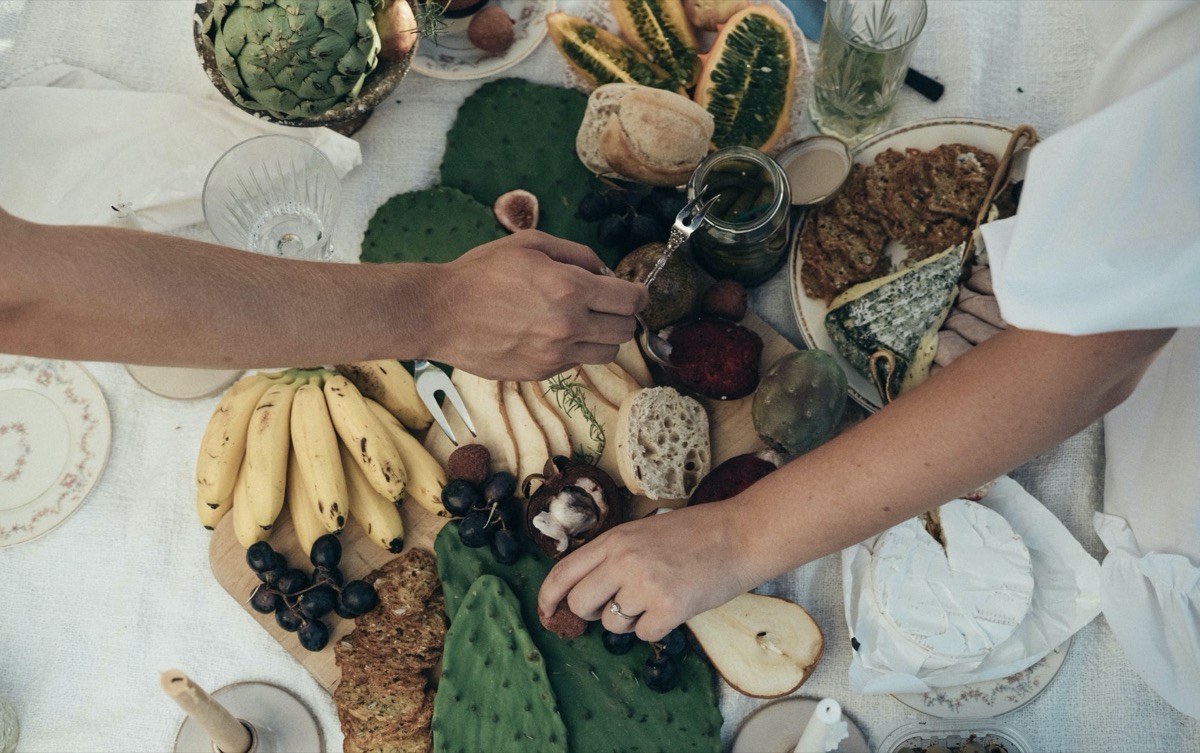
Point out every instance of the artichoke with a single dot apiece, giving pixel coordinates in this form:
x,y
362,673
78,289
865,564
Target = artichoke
x,y
293,59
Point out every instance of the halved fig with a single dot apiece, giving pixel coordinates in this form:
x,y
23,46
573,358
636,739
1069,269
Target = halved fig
x,y
516,210
572,504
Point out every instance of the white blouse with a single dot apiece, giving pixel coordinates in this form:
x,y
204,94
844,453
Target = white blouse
x,y
1108,238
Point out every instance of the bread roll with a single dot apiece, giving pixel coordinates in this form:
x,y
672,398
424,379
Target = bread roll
x,y
647,135
662,443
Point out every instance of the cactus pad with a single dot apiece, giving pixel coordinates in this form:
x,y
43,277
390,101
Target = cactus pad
x,y
514,708
433,225
603,702
513,133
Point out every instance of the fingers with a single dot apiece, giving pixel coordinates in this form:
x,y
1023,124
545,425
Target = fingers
x,y
620,617
616,296
563,577
559,249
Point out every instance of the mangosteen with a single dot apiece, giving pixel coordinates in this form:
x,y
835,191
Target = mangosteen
x,y
574,504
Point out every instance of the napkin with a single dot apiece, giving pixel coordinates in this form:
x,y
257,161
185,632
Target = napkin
x,y
1066,596
79,148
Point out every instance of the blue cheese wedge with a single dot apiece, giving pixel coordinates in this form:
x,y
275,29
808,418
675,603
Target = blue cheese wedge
x,y
900,312
956,601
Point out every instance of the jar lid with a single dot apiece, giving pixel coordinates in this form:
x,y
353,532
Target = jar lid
x,y
816,167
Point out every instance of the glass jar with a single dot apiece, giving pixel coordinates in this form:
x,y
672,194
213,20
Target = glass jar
x,y
10,729
744,235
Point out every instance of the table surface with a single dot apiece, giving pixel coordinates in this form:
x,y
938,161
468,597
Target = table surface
x,y
122,591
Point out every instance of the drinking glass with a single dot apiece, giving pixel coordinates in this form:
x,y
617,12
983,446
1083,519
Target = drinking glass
x,y
864,53
275,195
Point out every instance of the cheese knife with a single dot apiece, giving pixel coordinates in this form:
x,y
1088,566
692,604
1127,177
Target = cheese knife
x,y
810,15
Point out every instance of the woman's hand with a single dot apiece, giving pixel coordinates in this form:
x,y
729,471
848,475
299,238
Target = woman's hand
x,y
661,570
529,305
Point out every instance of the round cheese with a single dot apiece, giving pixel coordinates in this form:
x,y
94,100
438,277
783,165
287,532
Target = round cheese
x,y
958,602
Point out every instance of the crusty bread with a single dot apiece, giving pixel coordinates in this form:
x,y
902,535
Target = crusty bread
x,y
662,443
647,135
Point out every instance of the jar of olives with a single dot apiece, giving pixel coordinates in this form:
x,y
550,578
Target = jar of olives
x,y
744,235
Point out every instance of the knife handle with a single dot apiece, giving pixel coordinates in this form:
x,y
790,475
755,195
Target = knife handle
x,y
927,87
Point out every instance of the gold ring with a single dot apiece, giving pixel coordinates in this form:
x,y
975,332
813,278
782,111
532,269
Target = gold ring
x,y
615,608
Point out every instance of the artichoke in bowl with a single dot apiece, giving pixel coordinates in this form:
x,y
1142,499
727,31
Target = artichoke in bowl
x,y
304,62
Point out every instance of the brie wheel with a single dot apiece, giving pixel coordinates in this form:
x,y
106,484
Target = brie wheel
x,y
958,603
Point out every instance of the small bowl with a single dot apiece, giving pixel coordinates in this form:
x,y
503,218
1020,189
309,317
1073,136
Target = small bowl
x,y
345,118
988,733
816,167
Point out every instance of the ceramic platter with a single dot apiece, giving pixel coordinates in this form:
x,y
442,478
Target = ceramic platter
x,y
984,700
924,135
776,728
54,440
452,56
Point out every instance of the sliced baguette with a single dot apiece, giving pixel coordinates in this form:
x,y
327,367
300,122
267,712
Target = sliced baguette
x,y
662,443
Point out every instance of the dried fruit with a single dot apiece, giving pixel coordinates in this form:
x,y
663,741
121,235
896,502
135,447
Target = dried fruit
x,y
564,623
471,463
727,299
491,30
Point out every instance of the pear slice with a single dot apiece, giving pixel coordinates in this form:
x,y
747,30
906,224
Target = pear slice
x,y
763,646
558,441
630,360
532,449
485,404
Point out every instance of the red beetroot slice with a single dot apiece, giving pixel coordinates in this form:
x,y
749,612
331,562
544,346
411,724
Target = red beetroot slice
x,y
715,358
730,478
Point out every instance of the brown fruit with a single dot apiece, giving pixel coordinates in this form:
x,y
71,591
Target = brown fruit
x,y
516,210
674,292
564,623
727,299
471,463
491,30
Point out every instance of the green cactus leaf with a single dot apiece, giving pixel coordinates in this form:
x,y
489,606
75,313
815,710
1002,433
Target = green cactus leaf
x,y
488,639
433,225
604,704
513,133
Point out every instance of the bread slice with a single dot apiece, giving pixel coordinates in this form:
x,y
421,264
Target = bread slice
x,y
601,104
662,442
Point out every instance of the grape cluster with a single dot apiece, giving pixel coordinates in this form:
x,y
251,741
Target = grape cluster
x,y
299,599
661,669
490,515
632,217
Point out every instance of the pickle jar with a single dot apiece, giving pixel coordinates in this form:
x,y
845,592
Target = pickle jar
x,y
744,235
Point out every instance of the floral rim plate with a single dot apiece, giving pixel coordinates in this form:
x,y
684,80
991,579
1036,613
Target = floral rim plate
x,y
452,56
925,134
54,440
992,698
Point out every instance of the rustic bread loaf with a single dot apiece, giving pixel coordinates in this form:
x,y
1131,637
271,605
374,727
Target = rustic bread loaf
x,y
643,134
662,443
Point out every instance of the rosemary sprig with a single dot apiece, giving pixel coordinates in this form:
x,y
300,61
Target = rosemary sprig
x,y
431,18
571,396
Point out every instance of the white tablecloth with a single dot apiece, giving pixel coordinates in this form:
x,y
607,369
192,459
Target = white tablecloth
x,y
90,614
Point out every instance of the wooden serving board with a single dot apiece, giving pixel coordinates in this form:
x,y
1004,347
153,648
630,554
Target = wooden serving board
x,y
732,433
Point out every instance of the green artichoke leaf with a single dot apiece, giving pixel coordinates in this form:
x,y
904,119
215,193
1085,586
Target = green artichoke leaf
x,y
340,17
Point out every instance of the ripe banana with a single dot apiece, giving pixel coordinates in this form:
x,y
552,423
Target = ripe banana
x,y
390,385
244,525
378,515
315,447
307,522
268,441
361,431
426,477
224,444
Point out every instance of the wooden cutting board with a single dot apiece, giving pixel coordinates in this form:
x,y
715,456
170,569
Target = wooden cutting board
x,y
732,433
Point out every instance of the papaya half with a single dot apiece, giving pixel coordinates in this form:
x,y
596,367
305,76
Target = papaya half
x,y
659,29
600,56
747,79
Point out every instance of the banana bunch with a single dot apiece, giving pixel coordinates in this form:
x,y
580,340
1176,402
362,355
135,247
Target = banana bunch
x,y
330,446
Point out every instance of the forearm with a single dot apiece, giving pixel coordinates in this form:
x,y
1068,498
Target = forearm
x,y
1016,395
96,293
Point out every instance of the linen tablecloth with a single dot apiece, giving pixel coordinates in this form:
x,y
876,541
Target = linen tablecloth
x,y
91,613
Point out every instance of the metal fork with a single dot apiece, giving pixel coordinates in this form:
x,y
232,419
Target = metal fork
x,y
687,222
432,380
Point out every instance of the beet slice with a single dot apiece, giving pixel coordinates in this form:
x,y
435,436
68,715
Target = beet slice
x,y
715,358
730,478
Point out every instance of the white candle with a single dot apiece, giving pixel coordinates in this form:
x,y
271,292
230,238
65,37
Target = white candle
x,y
825,729
227,733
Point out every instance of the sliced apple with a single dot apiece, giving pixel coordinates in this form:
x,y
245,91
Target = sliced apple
x,y
630,359
485,404
532,448
558,441
763,646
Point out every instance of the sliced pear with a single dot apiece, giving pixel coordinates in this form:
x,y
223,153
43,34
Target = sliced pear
x,y
610,381
579,428
485,403
763,646
532,449
630,359
558,441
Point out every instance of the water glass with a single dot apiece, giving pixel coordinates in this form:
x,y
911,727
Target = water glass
x,y
275,195
864,53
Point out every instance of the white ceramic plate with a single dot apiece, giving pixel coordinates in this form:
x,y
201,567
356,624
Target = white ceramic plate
x,y
179,383
452,56
988,699
776,728
54,440
926,134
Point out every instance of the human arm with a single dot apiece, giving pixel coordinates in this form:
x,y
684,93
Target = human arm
x,y
1015,395
520,307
